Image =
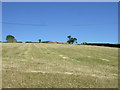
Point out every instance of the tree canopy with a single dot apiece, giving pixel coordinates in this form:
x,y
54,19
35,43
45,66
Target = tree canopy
x,y
39,40
71,39
9,37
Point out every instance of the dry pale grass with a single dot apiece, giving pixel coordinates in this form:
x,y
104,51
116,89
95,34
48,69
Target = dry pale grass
x,y
37,65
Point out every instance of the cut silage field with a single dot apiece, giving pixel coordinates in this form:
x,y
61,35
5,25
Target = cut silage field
x,y
38,65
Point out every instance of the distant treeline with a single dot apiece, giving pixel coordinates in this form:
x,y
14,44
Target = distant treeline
x,y
71,40
55,42
103,44
84,43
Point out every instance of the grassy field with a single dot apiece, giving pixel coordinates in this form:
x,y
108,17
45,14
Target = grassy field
x,y
34,65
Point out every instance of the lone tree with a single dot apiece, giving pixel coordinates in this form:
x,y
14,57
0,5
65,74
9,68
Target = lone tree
x,y
71,39
39,40
10,38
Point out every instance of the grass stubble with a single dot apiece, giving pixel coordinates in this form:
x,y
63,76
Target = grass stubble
x,y
37,65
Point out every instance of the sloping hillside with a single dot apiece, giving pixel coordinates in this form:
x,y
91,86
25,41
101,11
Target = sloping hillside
x,y
34,65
